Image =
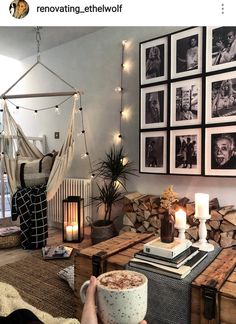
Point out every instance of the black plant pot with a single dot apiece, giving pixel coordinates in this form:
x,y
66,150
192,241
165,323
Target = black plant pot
x,y
101,231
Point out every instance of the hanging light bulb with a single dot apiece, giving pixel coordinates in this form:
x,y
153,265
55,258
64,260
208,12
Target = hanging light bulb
x,y
126,113
118,89
81,133
35,113
125,160
76,96
57,110
124,42
92,175
84,155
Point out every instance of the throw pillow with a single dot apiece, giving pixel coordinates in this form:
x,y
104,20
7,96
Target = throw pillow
x,y
34,173
67,274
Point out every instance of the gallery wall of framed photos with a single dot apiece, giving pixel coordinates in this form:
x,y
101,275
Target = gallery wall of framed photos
x,y
188,102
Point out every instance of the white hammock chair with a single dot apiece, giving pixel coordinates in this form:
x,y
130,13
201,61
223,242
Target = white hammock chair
x,y
16,144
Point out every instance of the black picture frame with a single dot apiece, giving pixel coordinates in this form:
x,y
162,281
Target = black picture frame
x,y
186,102
153,152
186,53
185,151
220,48
153,63
199,104
220,149
221,98
154,107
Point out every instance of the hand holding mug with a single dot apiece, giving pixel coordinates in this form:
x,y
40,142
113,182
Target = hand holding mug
x,y
121,297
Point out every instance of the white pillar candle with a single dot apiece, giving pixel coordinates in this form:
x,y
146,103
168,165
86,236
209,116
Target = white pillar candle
x,y
69,233
75,232
180,219
201,205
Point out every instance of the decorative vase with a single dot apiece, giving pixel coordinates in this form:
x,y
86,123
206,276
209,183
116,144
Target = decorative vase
x,y
167,228
101,231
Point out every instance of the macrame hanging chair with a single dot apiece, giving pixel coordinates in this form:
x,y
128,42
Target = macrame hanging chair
x,y
16,144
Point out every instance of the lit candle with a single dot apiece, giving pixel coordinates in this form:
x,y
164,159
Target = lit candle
x,y
201,205
69,233
180,219
75,232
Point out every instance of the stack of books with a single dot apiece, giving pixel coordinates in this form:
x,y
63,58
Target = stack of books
x,y
175,259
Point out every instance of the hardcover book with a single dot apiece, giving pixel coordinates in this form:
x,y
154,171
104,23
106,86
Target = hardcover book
x,y
166,250
178,273
176,262
56,252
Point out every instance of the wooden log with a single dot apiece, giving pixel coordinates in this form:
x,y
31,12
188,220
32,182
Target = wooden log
x,y
190,209
193,232
141,229
147,213
227,227
231,217
146,224
224,210
183,201
215,215
216,236
214,224
225,240
155,221
129,219
214,204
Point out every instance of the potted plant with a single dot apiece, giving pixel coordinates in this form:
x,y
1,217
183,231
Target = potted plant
x,y
111,174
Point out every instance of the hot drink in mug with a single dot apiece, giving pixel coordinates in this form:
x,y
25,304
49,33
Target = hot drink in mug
x,y
121,297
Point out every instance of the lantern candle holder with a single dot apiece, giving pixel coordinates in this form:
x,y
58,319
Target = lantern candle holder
x,y
73,219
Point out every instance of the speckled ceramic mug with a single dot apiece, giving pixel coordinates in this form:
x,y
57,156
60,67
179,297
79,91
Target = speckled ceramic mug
x,y
121,302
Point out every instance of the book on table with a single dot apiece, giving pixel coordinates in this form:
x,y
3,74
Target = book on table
x,y
178,273
176,262
56,252
167,250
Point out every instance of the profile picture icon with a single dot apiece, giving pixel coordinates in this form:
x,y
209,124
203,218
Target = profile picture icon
x,y
19,8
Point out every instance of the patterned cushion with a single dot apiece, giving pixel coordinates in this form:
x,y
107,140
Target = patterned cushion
x,y
33,173
67,274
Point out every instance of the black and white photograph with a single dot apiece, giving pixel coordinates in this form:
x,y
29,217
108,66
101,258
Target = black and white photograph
x,y
154,107
221,98
185,151
154,60
220,48
186,53
221,158
153,152
186,102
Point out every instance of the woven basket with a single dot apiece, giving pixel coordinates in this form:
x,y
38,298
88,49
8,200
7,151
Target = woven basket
x,y
9,241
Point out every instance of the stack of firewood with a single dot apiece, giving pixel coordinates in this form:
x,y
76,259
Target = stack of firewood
x,y
142,213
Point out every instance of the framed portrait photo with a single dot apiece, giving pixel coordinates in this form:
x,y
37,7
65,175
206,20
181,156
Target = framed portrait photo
x,y
186,53
221,98
220,48
185,151
186,102
220,159
153,152
153,65
154,106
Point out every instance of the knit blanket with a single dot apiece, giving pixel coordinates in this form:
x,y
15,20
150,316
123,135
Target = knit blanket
x,y
11,300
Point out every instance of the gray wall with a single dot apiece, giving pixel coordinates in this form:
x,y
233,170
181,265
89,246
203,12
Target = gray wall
x,y
92,64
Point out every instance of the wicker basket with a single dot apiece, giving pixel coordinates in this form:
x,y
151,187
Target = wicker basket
x,y
9,241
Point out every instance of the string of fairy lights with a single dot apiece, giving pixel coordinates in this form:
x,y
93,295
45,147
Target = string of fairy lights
x,y
79,108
